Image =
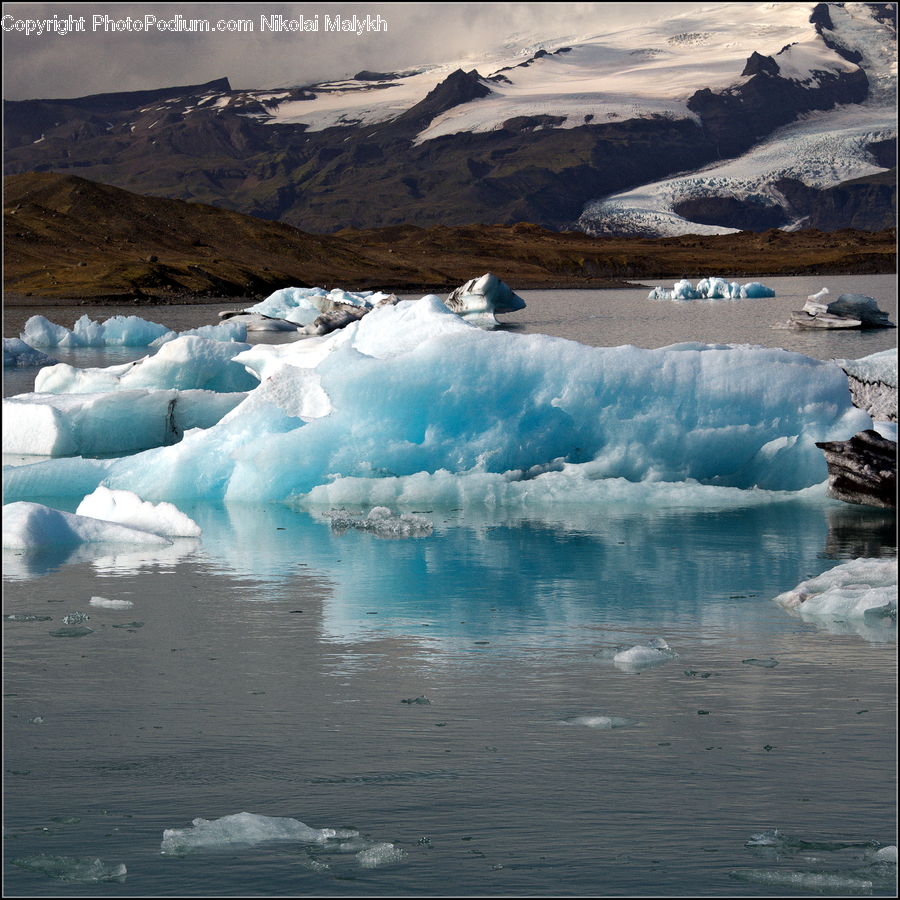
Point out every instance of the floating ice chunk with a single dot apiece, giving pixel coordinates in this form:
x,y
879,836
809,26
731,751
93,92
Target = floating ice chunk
x,y
183,363
859,306
26,617
30,525
243,829
382,522
71,631
815,303
301,306
380,855
111,604
644,656
862,588
481,298
126,508
769,663
16,353
713,288
117,422
75,618
81,869
118,331
827,882
602,723
886,855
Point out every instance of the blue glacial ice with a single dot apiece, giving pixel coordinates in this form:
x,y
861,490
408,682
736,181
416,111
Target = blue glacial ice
x,y
413,393
713,288
119,331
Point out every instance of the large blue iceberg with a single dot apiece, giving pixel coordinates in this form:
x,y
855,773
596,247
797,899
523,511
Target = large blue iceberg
x,y
412,390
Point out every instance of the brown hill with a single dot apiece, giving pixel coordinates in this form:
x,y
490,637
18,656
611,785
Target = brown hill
x,y
65,237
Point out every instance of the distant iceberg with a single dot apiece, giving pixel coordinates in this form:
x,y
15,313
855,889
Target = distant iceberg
x,y
712,289
119,331
18,354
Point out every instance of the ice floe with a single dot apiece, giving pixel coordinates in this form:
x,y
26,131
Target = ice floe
x,y
602,723
28,525
413,389
860,595
382,522
126,508
79,869
107,603
18,354
644,656
711,289
119,331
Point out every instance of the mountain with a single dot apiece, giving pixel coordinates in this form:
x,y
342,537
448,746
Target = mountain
x,y
739,116
66,237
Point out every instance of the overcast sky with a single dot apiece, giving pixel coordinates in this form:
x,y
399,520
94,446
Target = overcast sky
x,y
53,64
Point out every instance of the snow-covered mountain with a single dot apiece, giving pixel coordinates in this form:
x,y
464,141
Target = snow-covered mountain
x,y
740,115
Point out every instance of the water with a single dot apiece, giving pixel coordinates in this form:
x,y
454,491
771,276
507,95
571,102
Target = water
x,y
264,667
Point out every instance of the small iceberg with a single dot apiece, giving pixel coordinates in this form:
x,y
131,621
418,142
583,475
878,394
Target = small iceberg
x,y
848,311
79,869
18,354
126,508
601,723
382,522
712,289
246,830
644,656
480,299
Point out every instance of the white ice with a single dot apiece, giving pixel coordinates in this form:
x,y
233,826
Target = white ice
x,y
860,589
107,603
413,388
243,829
479,299
126,508
644,656
301,306
877,367
602,723
77,869
28,526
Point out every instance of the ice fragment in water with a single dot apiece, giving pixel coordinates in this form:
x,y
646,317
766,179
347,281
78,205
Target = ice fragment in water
x,y
827,882
26,617
604,723
644,656
379,855
421,700
75,618
126,508
769,663
110,604
82,869
71,631
243,829
382,522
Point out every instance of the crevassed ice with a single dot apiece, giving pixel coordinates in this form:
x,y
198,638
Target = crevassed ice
x,y
245,829
412,389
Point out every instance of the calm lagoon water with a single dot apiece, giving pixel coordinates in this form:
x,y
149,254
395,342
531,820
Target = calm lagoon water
x,y
274,655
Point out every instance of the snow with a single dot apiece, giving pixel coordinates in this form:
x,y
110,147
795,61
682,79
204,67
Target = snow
x,y
114,422
126,508
413,388
714,288
18,354
31,525
118,331
243,829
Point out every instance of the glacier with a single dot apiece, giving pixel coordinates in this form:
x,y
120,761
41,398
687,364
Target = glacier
x,y
413,390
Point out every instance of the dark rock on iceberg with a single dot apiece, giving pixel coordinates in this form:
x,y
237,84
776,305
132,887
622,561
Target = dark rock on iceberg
x,y
862,470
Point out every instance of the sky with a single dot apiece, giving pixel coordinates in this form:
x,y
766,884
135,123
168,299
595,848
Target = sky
x,y
107,57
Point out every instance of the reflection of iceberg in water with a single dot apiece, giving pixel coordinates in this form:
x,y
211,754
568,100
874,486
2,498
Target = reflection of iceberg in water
x,y
491,576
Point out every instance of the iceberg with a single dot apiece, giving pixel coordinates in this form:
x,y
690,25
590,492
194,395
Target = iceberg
x,y
382,522
79,869
862,589
29,526
244,829
479,299
126,508
413,388
186,363
18,354
873,383
602,723
644,656
301,306
115,422
713,288
118,331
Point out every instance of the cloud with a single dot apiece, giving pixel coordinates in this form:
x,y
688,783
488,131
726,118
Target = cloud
x,y
100,58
